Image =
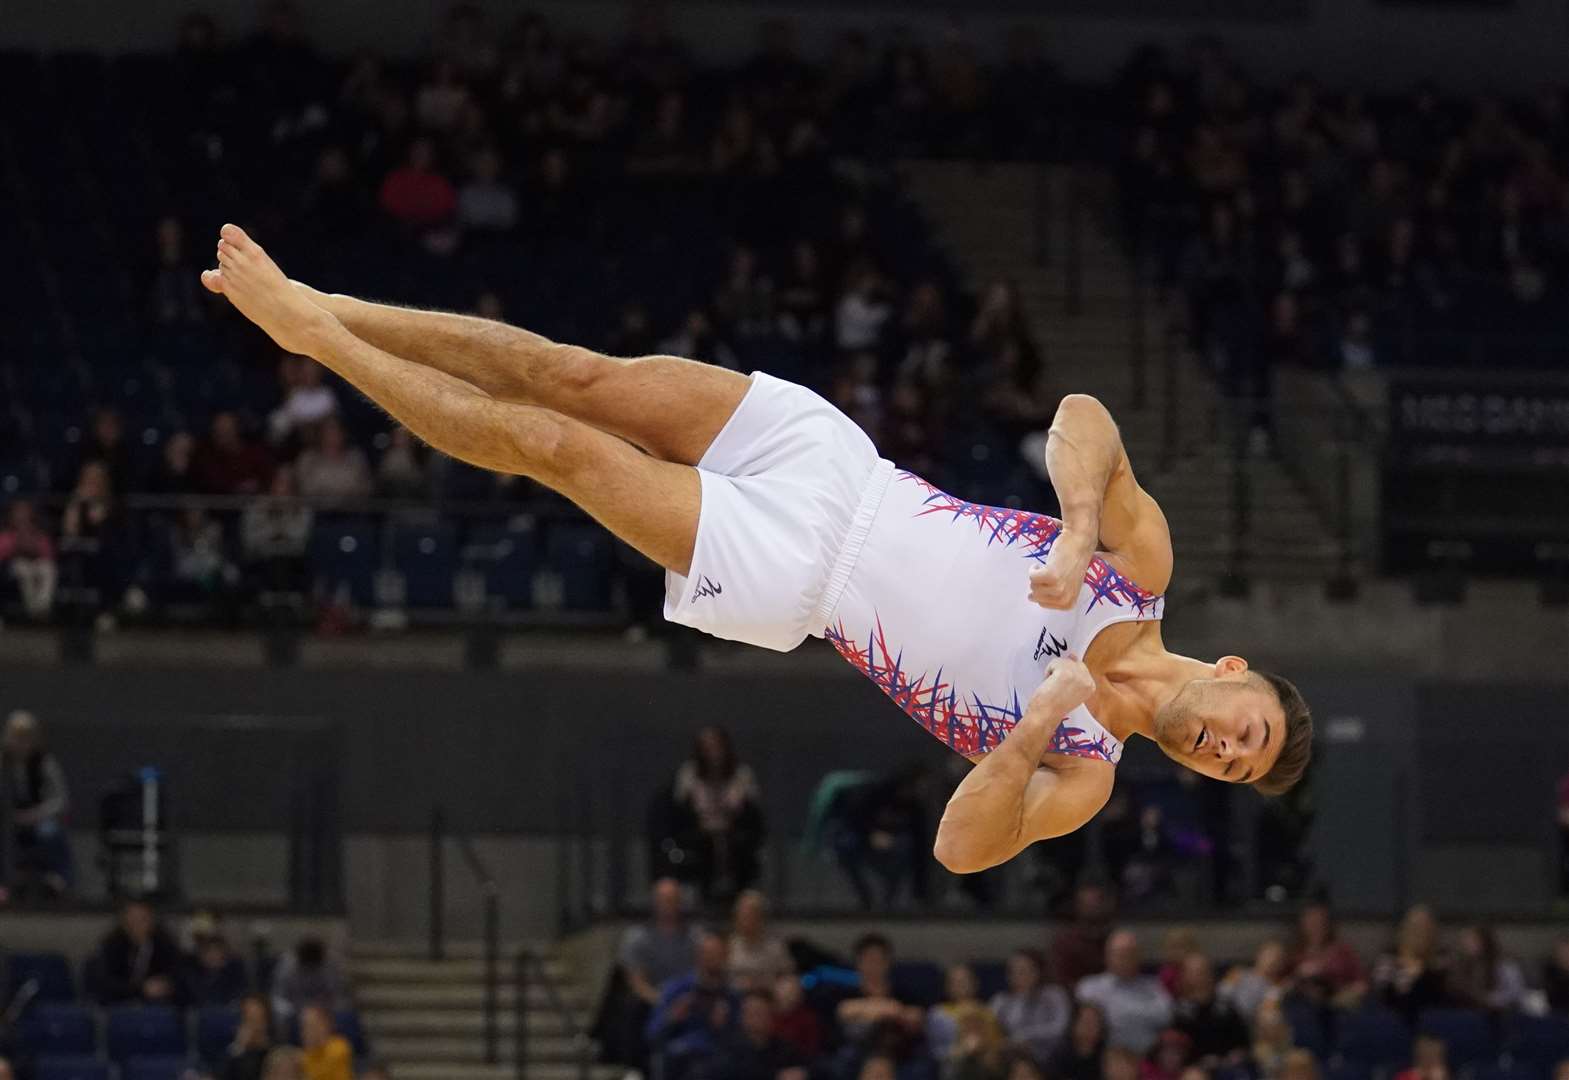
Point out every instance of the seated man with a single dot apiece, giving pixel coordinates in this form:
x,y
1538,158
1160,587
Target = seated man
x,y
754,1051
694,1012
875,1020
137,962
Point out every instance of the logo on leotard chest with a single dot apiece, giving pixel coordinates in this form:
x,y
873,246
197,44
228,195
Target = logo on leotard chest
x,y
1049,644
706,587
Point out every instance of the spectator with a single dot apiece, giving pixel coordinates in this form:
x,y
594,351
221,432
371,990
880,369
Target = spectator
x,y
1218,1034
284,1063
928,354
1555,977
977,1050
199,569
137,962
1272,1040
1079,949
327,1056
441,101
662,948
1179,943
213,974
876,1012
275,532
176,296
230,464
878,1067
802,301
1033,1014
1119,1064
1137,1007
1171,1056
1080,1056
862,313
1414,975
698,340
722,796
1247,988
40,804
175,473
1326,966
1429,1060
1482,977
376,1070
695,1012
758,959
332,469
417,194
744,304
401,474
1021,1066
104,443
884,828
795,1021
962,1010
485,203
27,561
307,400
307,976
6,1072
754,1051
1299,1065
247,1055
90,541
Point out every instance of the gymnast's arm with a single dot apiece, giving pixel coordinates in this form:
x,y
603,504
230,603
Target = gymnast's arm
x,y
1018,793
1103,506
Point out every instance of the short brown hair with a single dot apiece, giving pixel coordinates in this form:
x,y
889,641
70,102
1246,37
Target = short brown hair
x,y
1296,749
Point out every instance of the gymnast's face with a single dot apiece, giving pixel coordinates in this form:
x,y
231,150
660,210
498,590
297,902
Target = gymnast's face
x,y
1228,726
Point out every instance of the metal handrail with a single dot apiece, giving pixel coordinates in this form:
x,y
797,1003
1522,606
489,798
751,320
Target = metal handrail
x,y
526,960
491,892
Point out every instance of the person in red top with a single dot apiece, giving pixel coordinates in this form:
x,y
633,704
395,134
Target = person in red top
x,y
27,563
1079,949
230,464
1325,963
415,193
796,1022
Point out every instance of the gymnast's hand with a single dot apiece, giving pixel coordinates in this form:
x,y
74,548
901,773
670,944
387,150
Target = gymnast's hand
x,y
1055,583
1068,684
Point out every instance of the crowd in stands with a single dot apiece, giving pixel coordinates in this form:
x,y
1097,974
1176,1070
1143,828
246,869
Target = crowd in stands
x,y
613,193
1325,228
192,1007
689,1001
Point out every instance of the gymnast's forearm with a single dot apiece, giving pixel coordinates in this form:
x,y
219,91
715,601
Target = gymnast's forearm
x,y
984,821
1083,452
446,412
503,361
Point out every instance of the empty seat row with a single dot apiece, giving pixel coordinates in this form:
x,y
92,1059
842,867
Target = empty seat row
x,y
57,1029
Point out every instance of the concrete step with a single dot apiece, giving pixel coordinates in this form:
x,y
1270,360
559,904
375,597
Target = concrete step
x,y
454,1022
470,1050
459,996
423,1070
376,970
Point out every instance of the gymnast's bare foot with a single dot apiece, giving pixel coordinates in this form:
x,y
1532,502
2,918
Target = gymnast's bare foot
x,y
256,286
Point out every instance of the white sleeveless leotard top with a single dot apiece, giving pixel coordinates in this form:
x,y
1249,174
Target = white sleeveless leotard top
x,y
937,613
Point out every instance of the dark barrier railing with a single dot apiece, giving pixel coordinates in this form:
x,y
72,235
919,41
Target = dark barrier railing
x,y
529,971
439,832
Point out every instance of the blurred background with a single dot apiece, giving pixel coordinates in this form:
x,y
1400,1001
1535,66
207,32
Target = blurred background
x,y
297,709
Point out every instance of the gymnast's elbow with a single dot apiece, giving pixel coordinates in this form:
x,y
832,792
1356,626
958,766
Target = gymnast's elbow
x,y
961,854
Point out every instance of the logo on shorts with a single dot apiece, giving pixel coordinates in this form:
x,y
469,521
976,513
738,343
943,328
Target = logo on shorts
x,y
705,587
1049,644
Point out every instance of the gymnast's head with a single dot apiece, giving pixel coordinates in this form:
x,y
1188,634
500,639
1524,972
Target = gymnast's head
x,y
1240,726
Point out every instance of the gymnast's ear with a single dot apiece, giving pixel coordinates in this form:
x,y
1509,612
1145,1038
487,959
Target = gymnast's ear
x,y
1230,665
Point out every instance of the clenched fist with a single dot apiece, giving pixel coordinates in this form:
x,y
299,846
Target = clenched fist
x,y
1055,583
1068,684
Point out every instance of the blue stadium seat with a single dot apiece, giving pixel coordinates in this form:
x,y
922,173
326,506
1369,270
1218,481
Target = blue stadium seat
x,y
71,1068
1467,1034
345,555
168,1067
1373,1036
507,556
426,556
1538,1040
51,971
992,975
1307,1026
57,1029
581,554
919,982
133,1031
215,1028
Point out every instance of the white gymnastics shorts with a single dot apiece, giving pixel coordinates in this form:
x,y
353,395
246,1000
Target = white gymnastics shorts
x,y
790,488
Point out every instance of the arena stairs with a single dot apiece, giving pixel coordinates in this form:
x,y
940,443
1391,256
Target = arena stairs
x,y
985,217
428,1019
